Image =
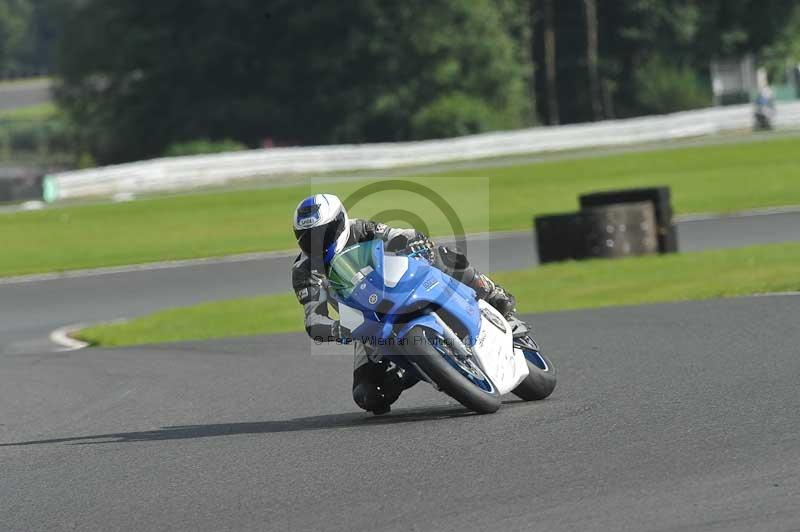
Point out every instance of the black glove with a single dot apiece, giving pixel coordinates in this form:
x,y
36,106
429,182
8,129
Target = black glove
x,y
420,247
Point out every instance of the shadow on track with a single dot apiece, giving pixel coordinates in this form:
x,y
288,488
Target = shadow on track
x,y
330,421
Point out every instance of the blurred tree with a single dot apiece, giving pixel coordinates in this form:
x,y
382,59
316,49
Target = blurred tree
x,y
139,77
592,52
664,87
518,17
14,19
37,53
734,27
549,46
661,49
784,52
562,27
142,77
26,37
638,34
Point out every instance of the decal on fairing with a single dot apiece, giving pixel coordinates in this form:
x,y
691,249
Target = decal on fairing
x,y
494,319
429,284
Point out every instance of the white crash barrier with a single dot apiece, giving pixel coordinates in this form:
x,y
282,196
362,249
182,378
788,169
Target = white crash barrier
x,y
182,173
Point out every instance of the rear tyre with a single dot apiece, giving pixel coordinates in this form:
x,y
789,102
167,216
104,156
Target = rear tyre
x,y
541,379
459,378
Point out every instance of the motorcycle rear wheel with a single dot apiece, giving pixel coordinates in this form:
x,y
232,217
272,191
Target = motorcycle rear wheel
x,y
459,378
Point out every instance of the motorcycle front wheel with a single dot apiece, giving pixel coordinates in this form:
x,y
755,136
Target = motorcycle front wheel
x,y
541,379
457,376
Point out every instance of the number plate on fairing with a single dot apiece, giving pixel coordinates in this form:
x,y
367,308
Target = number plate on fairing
x,y
494,349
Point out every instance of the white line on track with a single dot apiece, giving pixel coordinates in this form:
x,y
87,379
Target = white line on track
x,y
62,338
148,266
766,211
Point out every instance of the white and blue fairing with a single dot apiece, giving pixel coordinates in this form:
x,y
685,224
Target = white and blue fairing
x,y
383,295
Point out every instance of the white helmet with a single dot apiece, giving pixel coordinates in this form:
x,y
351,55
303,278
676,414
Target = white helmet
x,y
321,226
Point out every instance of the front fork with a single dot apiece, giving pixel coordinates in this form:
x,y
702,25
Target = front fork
x,y
461,351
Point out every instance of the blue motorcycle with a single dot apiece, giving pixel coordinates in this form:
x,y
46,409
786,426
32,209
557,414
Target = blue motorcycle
x,y
435,328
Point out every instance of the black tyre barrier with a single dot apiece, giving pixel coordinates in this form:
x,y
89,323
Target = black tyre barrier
x,y
609,231
620,230
658,196
558,237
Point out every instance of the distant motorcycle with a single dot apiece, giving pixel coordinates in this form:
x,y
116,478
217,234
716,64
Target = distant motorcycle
x,y
764,110
435,328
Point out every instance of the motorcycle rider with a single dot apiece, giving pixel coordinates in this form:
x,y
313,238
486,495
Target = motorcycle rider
x,y
323,229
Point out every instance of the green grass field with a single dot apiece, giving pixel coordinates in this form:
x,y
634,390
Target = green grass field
x,y
42,111
574,285
23,81
720,178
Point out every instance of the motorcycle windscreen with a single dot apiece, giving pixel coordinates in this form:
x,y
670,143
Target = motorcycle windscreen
x,y
358,266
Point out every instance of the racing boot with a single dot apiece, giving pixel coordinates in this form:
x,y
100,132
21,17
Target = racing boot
x,y
519,329
376,385
494,294
367,391
396,380
506,304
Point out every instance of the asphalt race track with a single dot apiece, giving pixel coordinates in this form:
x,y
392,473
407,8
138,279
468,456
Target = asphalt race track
x,y
667,417
29,311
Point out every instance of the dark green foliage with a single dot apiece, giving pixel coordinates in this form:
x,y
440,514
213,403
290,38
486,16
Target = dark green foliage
x,y
26,137
37,132
42,139
201,146
664,87
14,19
141,77
26,37
669,41
454,114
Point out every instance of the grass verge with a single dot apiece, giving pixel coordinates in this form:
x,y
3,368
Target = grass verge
x,y
41,111
720,178
574,285
14,82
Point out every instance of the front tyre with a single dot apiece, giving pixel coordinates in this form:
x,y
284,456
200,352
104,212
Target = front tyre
x,y
541,379
458,377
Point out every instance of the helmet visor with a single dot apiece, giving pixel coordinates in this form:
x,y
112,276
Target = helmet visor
x,y
320,241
